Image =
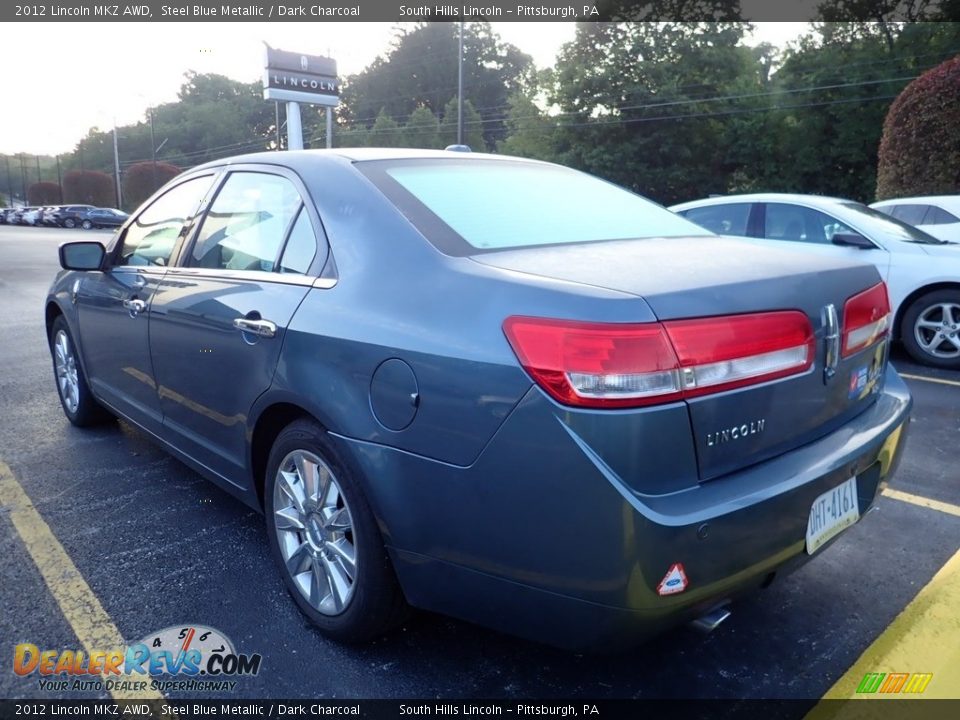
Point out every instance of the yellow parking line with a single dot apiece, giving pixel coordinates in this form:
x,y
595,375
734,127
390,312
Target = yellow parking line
x,y
922,501
90,622
924,378
924,638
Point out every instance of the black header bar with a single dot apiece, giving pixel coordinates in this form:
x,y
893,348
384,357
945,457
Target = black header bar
x,y
492,10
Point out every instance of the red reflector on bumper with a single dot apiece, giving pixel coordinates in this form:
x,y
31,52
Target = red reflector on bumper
x,y
675,581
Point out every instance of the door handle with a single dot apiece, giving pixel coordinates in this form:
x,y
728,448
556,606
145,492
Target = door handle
x,y
134,306
139,281
260,328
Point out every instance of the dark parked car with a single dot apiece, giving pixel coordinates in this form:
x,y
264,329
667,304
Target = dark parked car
x,y
489,387
103,218
70,216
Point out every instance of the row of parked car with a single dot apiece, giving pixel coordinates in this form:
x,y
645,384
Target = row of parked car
x,y
87,217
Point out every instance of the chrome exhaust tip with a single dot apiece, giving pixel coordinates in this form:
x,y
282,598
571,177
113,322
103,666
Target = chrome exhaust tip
x,y
708,622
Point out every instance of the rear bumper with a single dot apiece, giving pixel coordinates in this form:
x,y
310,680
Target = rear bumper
x,y
540,539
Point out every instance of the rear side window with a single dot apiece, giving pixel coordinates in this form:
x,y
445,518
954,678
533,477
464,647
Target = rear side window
x,y
150,239
301,247
722,219
912,214
466,206
247,223
938,216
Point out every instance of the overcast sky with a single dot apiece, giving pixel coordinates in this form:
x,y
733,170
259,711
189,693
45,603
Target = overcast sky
x,y
61,79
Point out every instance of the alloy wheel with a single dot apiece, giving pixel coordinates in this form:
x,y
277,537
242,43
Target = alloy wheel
x,y
937,330
314,530
65,365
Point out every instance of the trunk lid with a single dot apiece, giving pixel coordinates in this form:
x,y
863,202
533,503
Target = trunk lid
x,y
697,277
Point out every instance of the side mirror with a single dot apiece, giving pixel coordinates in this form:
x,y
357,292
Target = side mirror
x,y
853,240
82,255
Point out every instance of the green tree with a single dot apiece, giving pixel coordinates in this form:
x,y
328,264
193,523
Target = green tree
x,y
531,132
420,70
920,148
472,126
385,132
421,129
638,103
142,179
832,94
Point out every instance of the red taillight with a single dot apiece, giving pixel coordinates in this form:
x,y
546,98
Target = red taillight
x,y
721,353
866,319
629,365
596,364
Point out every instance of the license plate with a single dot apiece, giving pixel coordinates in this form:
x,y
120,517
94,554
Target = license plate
x,y
832,512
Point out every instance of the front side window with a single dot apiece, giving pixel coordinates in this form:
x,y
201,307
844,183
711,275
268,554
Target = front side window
x,y
247,223
469,206
801,224
151,238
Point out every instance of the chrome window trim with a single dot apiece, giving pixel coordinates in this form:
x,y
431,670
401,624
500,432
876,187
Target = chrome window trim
x,y
248,276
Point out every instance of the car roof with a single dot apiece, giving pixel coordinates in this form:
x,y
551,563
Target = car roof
x,y
925,199
821,201
295,158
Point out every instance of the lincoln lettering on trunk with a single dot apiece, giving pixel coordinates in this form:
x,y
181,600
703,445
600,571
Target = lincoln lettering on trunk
x,y
736,432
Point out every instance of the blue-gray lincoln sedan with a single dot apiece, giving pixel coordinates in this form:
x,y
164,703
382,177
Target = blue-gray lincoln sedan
x,y
494,388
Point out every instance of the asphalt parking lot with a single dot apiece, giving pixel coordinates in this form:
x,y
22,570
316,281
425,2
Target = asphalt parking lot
x,y
159,546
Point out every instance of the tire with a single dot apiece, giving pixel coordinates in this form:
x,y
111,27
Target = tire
x,y
315,543
77,401
69,223
86,225
930,329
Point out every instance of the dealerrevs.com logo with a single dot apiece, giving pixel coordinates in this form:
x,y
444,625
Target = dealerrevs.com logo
x,y
196,656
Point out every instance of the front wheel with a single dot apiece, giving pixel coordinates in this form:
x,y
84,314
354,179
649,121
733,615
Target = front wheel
x,y
325,539
86,225
77,401
931,329
69,223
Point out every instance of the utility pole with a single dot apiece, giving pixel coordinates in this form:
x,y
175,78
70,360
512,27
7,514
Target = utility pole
x,y
116,166
59,179
329,117
9,181
23,177
38,167
153,152
460,89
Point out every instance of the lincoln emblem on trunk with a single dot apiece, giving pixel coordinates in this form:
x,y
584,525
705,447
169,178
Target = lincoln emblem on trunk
x,y
738,432
831,327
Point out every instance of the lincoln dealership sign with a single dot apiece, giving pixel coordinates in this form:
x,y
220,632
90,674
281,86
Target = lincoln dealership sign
x,y
293,77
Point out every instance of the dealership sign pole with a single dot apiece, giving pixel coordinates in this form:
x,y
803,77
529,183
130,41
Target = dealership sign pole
x,y
295,78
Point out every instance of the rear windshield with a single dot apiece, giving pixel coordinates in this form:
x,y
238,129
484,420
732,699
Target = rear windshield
x,y
469,206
